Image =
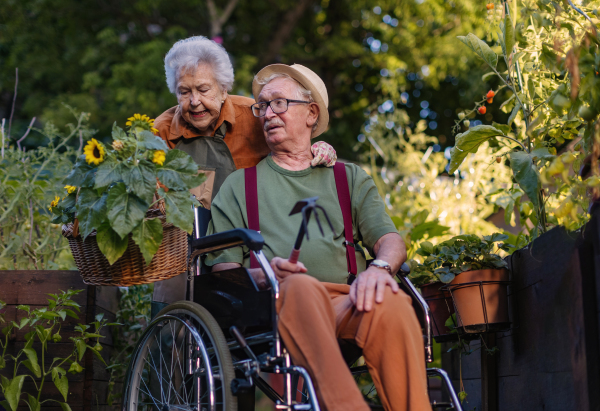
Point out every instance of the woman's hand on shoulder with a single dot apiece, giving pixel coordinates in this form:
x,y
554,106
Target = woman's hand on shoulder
x,y
323,154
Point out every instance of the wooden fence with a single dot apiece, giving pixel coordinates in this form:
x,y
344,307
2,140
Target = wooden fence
x,y
550,360
87,390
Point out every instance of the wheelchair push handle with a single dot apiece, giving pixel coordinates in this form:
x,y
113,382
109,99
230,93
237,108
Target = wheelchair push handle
x,y
228,239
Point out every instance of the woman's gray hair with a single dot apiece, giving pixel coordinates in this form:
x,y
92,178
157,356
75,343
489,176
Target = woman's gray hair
x,y
187,54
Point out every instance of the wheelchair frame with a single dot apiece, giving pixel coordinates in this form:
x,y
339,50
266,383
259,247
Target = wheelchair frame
x,y
277,360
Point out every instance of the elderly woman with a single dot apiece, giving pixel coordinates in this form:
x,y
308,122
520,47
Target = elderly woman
x,y
218,130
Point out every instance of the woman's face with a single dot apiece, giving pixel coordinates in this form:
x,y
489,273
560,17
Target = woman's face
x,y
200,98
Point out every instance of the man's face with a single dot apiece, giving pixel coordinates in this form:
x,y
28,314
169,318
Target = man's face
x,y
293,125
200,97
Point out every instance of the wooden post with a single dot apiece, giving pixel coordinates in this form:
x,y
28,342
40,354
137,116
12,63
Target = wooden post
x,y
489,374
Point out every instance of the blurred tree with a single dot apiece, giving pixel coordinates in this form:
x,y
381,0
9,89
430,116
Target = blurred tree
x,y
107,57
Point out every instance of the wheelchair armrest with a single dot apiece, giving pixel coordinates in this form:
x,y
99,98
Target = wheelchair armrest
x,y
228,239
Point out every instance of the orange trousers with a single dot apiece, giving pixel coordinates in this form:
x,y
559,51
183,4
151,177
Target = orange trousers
x,y
313,315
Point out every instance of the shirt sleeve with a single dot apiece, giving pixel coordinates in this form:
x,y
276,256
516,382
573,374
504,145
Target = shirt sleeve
x,y
227,214
368,209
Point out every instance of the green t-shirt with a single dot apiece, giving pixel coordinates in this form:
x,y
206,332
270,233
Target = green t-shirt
x,y
278,191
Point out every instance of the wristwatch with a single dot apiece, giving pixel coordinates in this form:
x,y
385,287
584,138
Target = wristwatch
x,y
382,264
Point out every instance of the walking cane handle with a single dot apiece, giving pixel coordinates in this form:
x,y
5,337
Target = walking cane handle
x,y
294,256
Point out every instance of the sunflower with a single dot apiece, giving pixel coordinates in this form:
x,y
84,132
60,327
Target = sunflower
x,y
70,189
94,152
54,203
142,121
159,157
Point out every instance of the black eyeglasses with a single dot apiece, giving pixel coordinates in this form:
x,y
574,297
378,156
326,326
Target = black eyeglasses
x,y
279,105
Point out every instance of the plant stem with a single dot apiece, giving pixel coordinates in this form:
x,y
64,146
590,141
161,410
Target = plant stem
x,y
12,110
515,140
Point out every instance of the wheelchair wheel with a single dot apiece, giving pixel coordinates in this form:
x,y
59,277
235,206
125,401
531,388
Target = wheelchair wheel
x,y
182,362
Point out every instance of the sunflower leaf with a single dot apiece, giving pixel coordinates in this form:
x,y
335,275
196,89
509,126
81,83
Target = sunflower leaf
x,y
91,210
110,243
179,210
148,141
141,179
109,172
125,210
148,235
82,174
179,171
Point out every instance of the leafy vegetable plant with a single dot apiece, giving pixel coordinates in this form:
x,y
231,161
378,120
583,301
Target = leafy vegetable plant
x,y
446,260
111,188
550,85
45,327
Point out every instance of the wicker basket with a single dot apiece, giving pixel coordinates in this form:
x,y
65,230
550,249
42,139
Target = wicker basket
x,y
130,269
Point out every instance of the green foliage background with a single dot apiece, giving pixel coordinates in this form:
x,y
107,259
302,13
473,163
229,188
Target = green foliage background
x,y
107,58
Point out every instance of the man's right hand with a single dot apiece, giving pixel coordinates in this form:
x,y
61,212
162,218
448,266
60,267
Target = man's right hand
x,y
283,268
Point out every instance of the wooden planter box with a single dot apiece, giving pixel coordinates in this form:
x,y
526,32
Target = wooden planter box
x,y
88,389
550,360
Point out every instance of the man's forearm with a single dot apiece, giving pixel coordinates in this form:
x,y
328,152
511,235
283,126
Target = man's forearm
x,y
391,248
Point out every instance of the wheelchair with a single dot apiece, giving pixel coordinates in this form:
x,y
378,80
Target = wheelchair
x,y
208,353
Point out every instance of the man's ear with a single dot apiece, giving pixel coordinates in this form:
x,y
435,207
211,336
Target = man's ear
x,y
313,114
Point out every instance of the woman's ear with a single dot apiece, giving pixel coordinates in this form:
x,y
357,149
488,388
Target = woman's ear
x,y
313,114
223,95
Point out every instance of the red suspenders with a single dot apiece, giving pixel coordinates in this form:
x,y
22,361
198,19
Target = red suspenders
x,y
341,185
252,206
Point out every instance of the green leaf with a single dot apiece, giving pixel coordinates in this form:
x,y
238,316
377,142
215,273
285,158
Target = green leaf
x,y
110,243
148,235
91,210
141,179
526,174
34,405
110,171
12,392
462,396
505,128
431,228
72,314
125,210
509,38
513,114
469,142
179,209
559,100
24,322
446,277
481,48
179,172
81,347
148,141
62,384
82,174
117,132
33,361
65,406
427,247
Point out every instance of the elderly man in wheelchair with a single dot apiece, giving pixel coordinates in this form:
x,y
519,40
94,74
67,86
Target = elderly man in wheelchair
x,y
308,315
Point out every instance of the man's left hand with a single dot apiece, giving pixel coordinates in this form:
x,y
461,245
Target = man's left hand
x,y
369,286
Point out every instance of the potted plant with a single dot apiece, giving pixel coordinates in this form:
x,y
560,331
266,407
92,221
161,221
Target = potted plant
x,y
475,277
127,202
439,300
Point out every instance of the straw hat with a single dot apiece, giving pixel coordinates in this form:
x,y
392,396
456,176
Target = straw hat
x,y
308,79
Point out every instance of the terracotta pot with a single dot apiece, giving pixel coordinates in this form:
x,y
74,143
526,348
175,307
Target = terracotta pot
x,y
474,291
441,307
